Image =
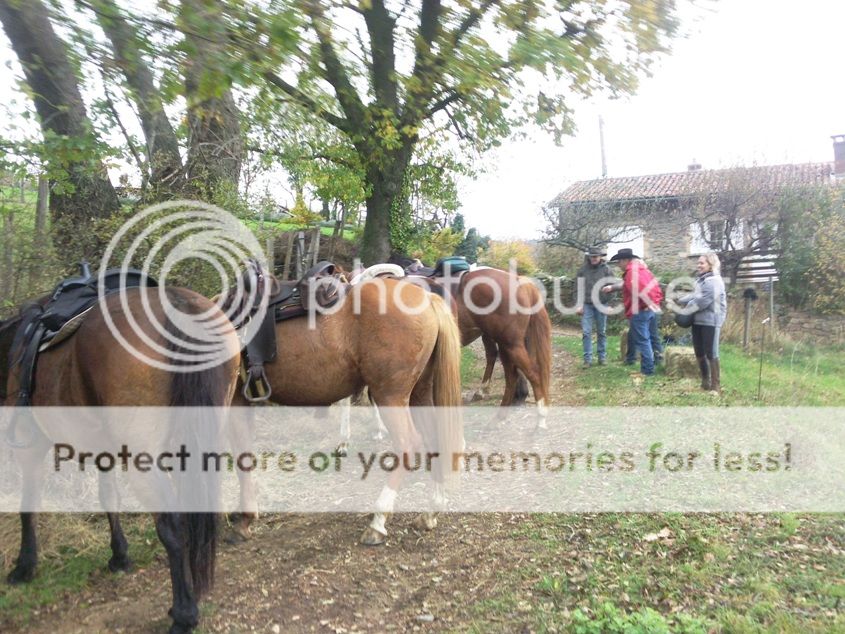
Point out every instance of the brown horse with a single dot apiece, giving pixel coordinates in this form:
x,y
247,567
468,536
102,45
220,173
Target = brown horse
x,y
405,358
93,369
507,311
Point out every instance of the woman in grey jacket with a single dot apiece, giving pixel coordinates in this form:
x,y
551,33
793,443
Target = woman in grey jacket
x,y
711,305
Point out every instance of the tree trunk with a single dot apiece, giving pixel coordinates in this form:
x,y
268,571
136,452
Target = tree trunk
x,y
165,162
84,191
386,190
215,142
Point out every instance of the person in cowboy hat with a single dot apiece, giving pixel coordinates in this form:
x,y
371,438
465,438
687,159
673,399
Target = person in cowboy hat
x,y
594,272
641,296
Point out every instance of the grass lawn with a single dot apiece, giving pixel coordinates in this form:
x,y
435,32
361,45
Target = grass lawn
x,y
659,573
73,553
798,376
671,572
281,227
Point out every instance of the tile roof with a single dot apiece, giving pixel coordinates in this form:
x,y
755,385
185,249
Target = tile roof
x,y
771,177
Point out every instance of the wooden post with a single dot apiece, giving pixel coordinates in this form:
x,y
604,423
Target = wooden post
x,y
300,254
747,325
315,246
772,305
288,256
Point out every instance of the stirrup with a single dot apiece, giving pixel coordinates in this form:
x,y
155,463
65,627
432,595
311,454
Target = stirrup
x,y
11,433
256,386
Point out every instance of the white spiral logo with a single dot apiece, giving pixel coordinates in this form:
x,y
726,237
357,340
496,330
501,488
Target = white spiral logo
x,y
180,231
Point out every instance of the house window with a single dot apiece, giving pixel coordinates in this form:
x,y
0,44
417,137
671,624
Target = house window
x,y
716,235
710,236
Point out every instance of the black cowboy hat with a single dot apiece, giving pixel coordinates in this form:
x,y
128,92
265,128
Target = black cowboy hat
x,y
624,254
596,251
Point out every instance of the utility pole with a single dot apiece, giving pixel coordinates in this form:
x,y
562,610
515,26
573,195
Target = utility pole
x,y
601,142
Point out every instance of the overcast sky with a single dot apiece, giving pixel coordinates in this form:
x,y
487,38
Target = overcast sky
x,y
756,81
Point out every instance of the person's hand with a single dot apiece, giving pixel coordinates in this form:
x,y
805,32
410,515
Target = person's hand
x,y
607,288
579,310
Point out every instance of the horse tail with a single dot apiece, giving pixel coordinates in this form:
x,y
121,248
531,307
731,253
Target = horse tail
x,y
538,340
446,359
203,388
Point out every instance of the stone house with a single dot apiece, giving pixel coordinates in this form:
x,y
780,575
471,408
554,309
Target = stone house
x,y
670,219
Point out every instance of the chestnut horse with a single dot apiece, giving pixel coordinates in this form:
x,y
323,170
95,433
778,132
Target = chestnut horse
x,y
93,369
405,358
508,310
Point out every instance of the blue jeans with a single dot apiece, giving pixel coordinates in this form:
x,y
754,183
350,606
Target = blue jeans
x,y
591,313
656,344
641,329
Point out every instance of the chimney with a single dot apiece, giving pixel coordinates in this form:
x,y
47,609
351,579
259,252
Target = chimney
x,y
694,166
839,155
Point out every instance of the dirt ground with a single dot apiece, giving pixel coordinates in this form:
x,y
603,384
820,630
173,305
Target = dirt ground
x,y
307,573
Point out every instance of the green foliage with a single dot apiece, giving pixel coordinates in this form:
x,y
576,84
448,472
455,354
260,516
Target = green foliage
x,y
609,619
558,260
810,235
301,216
501,254
826,276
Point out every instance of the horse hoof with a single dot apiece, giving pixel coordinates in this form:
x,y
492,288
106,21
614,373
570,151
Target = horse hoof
x,y
425,523
21,574
120,564
372,537
476,396
342,450
237,535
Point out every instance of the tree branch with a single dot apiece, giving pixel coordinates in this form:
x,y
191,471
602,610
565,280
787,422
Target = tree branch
x,y
336,74
307,102
380,26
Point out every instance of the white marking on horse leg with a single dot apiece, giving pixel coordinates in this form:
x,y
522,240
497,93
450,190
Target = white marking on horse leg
x,y
382,430
384,506
542,413
345,415
440,500
485,388
345,427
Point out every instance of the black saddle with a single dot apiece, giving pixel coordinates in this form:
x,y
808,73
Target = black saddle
x,y
319,287
42,320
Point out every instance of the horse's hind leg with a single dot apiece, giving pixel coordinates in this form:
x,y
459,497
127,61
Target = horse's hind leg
x,y
185,612
110,501
510,378
241,430
425,420
522,360
491,352
522,390
345,406
399,424
30,460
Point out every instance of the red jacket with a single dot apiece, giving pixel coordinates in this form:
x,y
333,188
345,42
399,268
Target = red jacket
x,y
639,283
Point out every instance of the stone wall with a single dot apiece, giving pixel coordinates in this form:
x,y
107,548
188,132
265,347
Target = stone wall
x,y
820,329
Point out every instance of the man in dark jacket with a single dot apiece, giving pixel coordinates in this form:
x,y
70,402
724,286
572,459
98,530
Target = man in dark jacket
x,y
590,277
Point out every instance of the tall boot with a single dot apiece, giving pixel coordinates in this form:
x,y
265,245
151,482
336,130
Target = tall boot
x,y
704,368
716,379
